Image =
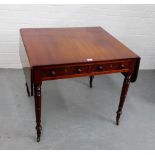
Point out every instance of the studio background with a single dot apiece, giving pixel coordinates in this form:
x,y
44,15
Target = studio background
x,y
131,24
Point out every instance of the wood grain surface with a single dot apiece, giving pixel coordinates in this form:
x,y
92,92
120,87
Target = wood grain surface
x,y
52,46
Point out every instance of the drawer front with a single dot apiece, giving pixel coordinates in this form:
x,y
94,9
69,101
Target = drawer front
x,y
58,71
79,70
116,66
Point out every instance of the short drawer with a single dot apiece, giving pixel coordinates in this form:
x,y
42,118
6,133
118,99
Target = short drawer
x,y
63,71
110,66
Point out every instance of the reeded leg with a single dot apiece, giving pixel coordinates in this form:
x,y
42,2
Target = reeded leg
x,y
37,93
125,87
28,92
91,81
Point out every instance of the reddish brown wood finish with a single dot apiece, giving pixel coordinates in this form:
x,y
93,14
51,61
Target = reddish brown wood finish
x,y
125,87
55,46
57,53
37,94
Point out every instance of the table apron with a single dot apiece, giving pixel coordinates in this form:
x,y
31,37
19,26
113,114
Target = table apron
x,y
62,72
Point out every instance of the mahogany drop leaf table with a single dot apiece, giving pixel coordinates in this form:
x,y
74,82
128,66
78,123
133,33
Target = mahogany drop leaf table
x,y
58,53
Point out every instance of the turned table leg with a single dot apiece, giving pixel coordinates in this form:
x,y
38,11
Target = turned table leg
x,y
91,81
37,93
125,87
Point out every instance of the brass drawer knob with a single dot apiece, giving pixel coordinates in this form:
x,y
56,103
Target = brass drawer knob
x,y
53,73
100,68
79,70
122,66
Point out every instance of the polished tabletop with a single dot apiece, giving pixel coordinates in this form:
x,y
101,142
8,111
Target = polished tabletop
x,y
52,46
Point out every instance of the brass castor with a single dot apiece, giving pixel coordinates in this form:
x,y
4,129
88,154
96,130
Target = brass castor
x,y
38,128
